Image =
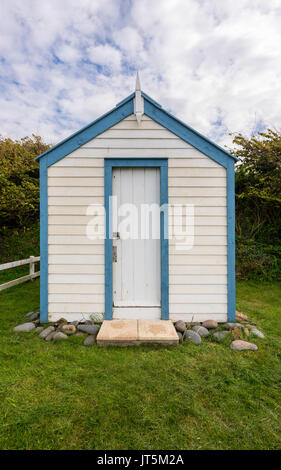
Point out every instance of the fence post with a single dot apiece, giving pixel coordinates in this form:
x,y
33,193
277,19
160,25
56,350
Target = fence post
x,y
31,267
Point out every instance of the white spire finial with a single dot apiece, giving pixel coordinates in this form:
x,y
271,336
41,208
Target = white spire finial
x,y
138,86
138,101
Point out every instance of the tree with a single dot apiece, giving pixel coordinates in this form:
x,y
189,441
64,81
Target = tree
x,y
19,180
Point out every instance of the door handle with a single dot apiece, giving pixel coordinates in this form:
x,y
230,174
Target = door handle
x,y
116,235
114,254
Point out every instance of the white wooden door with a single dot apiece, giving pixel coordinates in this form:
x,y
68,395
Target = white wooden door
x,y
136,272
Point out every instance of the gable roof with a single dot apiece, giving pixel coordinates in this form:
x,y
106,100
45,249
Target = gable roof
x,y
123,110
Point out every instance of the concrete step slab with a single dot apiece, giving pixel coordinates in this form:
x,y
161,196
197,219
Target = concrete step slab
x,y
137,332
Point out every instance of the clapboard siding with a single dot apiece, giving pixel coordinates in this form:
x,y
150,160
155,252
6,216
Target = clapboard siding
x,y
198,276
76,263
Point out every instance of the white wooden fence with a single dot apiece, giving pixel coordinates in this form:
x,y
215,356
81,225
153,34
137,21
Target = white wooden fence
x,y
32,274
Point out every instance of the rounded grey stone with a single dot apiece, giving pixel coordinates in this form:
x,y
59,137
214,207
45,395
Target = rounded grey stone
x,y
90,329
192,336
221,335
39,328
231,326
180,326
91,339
239,345
26,327
180,336
59,335
201,330
258,333
34,316
46,332
27,315
50,336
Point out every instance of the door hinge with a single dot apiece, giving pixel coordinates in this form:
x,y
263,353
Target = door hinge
x,y
114,254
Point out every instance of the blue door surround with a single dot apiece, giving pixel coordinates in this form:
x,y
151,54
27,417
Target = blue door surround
x,y
136,162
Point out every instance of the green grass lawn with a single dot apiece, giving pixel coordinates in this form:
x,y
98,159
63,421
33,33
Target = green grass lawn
x,y
66,396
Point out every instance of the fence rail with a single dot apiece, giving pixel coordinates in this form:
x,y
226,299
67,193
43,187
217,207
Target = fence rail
x,y
32,274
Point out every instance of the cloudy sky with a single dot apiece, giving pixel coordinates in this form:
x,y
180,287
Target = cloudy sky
x,y
215,64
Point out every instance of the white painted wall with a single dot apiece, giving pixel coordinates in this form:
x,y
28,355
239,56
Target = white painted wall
x,y
198,278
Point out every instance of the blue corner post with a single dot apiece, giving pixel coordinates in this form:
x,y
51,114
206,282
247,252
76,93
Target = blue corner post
x,y
231,240
43,241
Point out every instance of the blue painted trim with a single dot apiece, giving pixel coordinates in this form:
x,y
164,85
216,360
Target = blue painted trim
x,y
43,242
124,109
189,135
164,243
231,241
161,163
88,133
108,243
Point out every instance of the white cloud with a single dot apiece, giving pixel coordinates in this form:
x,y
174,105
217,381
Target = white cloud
x,y
216,65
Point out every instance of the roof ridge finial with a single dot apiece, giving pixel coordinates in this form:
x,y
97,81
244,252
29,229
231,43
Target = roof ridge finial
x,y
138,85
138,101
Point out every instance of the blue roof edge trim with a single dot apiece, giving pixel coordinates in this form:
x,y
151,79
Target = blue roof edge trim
x,y
150,100
120,105
122,110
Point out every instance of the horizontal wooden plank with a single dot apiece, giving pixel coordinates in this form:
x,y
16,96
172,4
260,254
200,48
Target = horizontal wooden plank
x,y
100,142
201,289
208,308
195,192
199,230
76,220
183,243
75,288
19,280
76,259
198,299
176,221
76,298
184,172
205,211
76,268
140,133
73,240
71,230
79,161
75,172
76,279
149,313
192,182
193,161
76,191
195,270
69,210
75,182
194,278
21,262
76,249
201,201
191,317
212,240
197,260
75,201
136,152
133,124
75,307
201,250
